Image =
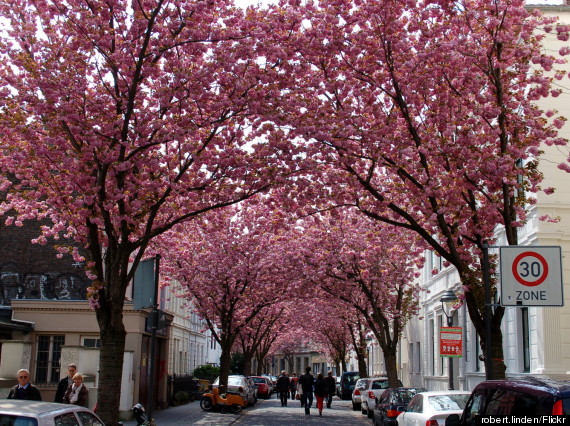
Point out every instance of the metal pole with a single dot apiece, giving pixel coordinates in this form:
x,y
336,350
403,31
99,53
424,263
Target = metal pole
x,y
450,359
488,312
154,316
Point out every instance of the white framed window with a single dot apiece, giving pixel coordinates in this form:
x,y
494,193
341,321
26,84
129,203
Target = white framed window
x,y
48,357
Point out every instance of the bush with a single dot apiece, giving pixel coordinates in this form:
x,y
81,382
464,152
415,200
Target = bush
x,y
206,372
181,398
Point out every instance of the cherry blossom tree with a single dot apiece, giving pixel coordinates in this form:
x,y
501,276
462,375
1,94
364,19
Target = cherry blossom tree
x,y
262,331
235,266
423,116
371,268
121,119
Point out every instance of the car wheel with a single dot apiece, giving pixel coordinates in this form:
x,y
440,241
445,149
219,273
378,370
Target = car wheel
x,y
236,408
370,414
362,410
355,407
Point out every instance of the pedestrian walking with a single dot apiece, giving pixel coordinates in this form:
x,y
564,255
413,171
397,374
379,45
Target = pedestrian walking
x,y
283,385
293,388
331,388
24,389
320,392
307,381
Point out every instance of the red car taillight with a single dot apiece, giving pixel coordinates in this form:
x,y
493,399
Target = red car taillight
x,y
558,408
432,422
371,395
357,391
393,413
240,390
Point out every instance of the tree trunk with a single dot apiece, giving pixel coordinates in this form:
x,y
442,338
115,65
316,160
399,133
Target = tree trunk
x,y
247,357
225,361
391,367
362,365
110,319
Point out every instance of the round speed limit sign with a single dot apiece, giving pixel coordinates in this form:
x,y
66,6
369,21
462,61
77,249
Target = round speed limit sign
x,y
531,276
530,268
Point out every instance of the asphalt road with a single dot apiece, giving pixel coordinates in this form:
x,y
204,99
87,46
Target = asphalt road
x,y
265,412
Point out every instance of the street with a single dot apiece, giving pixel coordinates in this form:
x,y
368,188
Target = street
x,y
265,412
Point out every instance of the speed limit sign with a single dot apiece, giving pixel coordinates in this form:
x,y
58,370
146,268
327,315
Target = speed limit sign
x,y
531,276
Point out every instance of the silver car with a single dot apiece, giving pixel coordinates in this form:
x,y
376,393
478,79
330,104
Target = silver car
x,y
39,413
242,385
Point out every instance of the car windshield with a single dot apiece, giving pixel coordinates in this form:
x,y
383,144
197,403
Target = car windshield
x,y
352,379
258,380
405,395
7,420
235,381
380,384
448,402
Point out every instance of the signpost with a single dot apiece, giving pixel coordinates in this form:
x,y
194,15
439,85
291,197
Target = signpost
x,y
531,276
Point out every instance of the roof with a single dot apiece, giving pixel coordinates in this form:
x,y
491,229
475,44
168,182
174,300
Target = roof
x,y
22,407
538,384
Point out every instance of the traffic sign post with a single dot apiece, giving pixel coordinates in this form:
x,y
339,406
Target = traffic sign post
x,y
531,276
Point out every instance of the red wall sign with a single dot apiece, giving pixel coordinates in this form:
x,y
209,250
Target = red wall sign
x,y
451,342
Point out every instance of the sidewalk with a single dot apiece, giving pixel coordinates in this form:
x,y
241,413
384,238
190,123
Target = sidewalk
x,y
186,414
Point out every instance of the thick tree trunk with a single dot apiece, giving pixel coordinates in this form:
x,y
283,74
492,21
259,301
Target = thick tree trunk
x,y
247,364
110,319
225,361
362,366
390,360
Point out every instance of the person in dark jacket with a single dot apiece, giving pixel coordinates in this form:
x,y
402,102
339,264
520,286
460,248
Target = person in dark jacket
x,y
306,381
331,388
77,393
64,383
24,389
320,392
282,386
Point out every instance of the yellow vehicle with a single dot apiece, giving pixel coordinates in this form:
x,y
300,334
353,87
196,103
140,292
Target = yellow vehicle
x,y
216,400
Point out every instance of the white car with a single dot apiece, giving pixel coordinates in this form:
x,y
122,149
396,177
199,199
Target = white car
x,y
242,385
375,387
432,408
39,413
359,389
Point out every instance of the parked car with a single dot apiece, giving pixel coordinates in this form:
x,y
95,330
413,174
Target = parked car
x,y
390,403
375,387
531,396
337,380
359,389
432,408
272,381
38,413
241,385
347,381
263,386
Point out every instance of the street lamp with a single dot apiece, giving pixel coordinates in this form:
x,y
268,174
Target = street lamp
x,y
447,301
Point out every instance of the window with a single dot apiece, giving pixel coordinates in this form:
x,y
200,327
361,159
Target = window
x,y
89,419
432,346
67,419
525,340
418,358
91,342
47,360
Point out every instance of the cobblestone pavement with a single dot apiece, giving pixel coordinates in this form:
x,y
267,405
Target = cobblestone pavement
x,y
266,412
